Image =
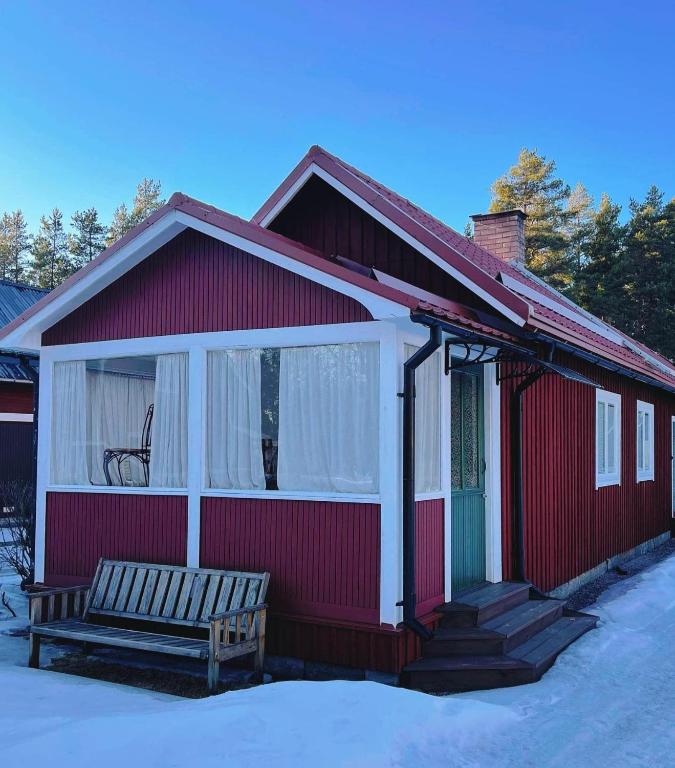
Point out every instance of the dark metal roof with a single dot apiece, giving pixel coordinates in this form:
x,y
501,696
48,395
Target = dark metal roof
x,y
15,298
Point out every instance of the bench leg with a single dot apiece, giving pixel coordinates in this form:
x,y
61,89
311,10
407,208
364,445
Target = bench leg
x,y
214,674
259,658
34,651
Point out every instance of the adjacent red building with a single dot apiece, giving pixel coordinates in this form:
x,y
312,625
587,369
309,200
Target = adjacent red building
x,y
16,392
350,395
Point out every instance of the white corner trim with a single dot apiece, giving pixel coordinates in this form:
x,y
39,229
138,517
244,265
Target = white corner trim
x,y
390,483
16,417
314,169
493,474
43,466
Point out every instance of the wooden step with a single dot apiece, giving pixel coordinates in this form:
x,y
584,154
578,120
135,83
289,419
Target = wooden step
x,y
463,641
525,620
453,674
541,650
477,605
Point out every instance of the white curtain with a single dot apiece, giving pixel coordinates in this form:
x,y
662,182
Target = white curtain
x,y
329,418
427,423
234,433
117,406
168,455
69,424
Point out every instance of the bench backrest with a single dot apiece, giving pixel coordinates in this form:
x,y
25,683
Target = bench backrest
x,y
171,594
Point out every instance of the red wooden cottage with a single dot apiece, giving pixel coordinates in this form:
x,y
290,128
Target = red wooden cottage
x,y
346,393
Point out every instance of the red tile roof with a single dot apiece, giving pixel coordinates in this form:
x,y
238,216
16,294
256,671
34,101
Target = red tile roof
x,y
412,219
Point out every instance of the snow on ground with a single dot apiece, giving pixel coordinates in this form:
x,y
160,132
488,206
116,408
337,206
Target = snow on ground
x,y
609,700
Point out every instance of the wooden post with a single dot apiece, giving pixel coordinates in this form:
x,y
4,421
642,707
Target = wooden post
x,y
34,651
34,640
214,655
259,659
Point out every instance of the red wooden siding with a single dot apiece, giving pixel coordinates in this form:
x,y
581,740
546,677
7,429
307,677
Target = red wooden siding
x,y
429,547
321,218
16,398
323,557
570,527
363,647
196,284
82,527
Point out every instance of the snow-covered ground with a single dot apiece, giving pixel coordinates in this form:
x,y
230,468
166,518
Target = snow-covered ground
x,y
609,700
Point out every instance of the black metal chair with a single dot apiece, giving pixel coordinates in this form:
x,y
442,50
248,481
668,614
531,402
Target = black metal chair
x,y
122,455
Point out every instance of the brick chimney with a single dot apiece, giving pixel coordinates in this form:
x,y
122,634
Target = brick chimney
x,y
503,234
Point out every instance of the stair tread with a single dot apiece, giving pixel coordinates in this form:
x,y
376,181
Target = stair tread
x,y
515,619
465,633
459,663
552,640
484,596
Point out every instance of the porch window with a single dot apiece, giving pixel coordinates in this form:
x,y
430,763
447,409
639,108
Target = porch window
x,y
607,438
294,419
120,422
645,441
427,423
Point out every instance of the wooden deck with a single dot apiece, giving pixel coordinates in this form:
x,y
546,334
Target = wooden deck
x,y
495,635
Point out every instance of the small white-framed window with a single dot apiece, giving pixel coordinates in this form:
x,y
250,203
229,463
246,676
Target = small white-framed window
x,y
607,438
645,441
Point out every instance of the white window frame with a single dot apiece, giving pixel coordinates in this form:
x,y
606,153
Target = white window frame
x,y
602,480
647,473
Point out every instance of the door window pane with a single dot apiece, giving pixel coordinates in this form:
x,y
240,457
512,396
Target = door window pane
x,y
471,446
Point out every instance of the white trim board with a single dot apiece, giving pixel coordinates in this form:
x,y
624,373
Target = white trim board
x,y
316,170
16,417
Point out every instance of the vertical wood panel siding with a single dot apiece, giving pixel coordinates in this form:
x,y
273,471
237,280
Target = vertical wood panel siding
x,y
82,527
380,648
429,566
321,218
570,527
16,451
323,557
16,398
197,284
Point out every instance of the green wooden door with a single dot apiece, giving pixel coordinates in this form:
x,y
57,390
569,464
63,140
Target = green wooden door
x,y
467,456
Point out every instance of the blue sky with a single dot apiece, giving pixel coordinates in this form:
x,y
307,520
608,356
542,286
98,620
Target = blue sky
x,y
220,100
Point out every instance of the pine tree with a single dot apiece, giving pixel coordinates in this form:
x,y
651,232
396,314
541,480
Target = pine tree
x,y
647,272
578,227
148,198
598,286
532,186
88,237
14,243
51,262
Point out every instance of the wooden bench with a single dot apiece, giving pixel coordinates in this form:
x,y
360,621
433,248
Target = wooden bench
x,y
230,604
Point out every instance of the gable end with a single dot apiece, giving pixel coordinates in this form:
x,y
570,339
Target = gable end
x,y
197,284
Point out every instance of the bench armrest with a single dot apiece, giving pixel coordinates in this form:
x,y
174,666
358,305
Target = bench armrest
x,y
66,603
237,612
